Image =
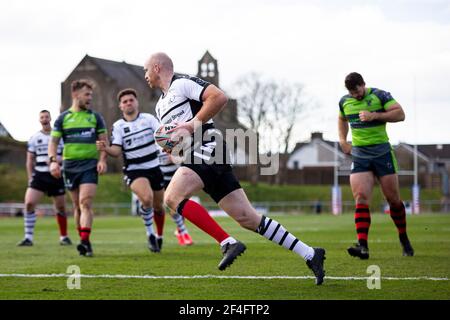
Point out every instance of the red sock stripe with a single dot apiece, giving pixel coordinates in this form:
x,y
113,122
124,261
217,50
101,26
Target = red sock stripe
x,y
362,236
159,217
62,224
85,233
362,225
198,215
398,215
362,221
362,215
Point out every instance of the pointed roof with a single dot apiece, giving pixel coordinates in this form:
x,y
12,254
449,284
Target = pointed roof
x,y
207,57
123,73
431,151
4,132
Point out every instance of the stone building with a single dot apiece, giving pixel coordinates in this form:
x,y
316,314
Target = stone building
x,y
12,152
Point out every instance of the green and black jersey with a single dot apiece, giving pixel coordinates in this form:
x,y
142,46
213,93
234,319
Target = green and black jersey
x,y
79,131
369,138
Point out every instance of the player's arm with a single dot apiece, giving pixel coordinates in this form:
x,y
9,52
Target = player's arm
x,y
30,164
101,136
214,100
113,150
393,110
101,165
55,169
343,128
395,113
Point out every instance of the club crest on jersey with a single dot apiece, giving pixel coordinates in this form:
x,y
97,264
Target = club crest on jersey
x,y
200,81
126,130
39,141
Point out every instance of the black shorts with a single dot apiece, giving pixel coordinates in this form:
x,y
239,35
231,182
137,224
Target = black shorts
x,y
380,166
73,180
153,175
166,184
218,179
45,182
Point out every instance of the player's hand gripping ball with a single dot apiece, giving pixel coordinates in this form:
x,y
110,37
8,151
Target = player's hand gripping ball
x,y
163,137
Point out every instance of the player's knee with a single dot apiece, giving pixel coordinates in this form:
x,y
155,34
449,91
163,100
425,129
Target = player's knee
x,y
76,208
86,203
60,209
171,200
29,206
158,207
361,197
147,202
394,203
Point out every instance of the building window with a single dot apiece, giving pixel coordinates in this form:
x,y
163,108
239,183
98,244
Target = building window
x,y
204,69
211,70
296,166
208,69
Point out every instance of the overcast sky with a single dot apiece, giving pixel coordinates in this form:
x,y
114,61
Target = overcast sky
x,y
401,46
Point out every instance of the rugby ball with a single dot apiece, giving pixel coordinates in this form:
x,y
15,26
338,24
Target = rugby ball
x,y
162,137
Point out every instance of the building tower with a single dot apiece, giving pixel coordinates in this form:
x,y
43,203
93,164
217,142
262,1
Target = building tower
x,y
207,69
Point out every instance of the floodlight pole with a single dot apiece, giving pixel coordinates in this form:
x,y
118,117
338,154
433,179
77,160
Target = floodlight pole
x,y
415,188
336,195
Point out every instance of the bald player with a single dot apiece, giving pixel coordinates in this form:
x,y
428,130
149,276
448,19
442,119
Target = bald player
x,y
191,103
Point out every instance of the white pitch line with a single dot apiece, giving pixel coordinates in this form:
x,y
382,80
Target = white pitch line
x,y
208,276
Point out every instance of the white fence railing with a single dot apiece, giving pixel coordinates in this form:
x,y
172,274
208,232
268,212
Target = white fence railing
x,y
283,207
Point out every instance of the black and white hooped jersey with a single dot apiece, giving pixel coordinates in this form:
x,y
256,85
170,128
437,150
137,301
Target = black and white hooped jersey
x,y
166,165
182,102
38,145
137,141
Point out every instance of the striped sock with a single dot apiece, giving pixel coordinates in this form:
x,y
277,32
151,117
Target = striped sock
x,y
147,217
398,215
179,221
29,220
275,232
362,223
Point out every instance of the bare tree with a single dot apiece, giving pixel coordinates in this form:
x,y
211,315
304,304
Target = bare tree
x,y
289,104
271,109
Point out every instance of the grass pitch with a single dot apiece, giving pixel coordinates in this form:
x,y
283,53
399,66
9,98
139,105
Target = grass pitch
x,y
120,249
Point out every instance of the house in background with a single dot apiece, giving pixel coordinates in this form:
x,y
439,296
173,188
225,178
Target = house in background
x,y
433,164
313,162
